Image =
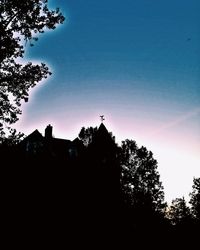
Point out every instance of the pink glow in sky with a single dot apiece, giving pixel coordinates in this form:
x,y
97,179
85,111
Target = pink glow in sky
x,y
136,62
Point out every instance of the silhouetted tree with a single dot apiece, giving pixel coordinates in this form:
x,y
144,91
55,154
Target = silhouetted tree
x,y
20,22
142,190
179,213
87,135
140,179
183,231
195,199
9,151
13,138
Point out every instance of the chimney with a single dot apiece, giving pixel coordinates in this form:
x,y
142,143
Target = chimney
x,y
48,132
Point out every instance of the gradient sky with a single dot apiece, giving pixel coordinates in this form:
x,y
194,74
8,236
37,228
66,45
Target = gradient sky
x,y
138,63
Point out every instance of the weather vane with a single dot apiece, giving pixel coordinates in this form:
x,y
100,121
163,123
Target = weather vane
x,y
102,118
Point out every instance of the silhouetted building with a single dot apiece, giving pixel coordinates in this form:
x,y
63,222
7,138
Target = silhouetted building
x,y
33,143
36,144
71,184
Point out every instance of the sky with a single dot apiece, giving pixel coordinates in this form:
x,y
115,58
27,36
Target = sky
x,y
135,61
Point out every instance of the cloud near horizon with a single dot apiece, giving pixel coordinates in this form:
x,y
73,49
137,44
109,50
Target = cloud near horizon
x,y
176,121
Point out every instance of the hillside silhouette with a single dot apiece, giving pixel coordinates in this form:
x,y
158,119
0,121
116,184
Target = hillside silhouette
x,y
91,190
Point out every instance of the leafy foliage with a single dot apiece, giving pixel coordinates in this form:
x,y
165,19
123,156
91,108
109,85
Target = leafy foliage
x,y
195,198
179,212
140,179
12,139
87,135
21,22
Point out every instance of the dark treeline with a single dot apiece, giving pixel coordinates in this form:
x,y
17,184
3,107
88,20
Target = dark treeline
x,y
89,192
92,190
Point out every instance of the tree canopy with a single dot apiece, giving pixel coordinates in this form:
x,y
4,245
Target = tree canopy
x,y
195,199
179,212
87,135
140,179
20,24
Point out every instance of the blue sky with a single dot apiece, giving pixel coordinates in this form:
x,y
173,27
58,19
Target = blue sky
x,y
138,63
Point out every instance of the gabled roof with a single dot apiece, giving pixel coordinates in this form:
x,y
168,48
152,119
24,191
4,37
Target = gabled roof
x,y
35,135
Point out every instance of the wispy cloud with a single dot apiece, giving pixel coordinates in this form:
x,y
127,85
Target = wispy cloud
x,y
176,121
